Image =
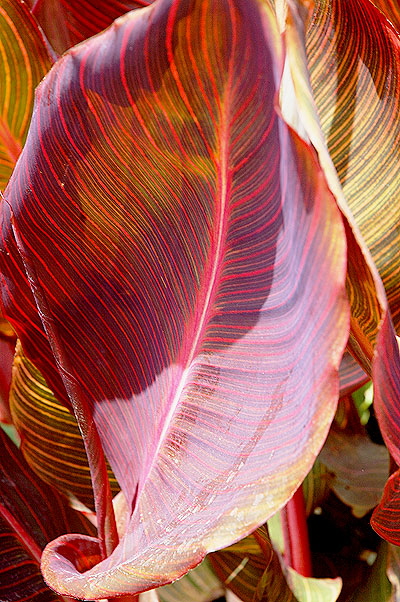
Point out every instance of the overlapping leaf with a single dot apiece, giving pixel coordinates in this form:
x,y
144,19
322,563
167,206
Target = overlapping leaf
x,y
360,469
372,337
354,65
51,441
24,60
68,22
199,585
253,573
31,514
256,575
175,270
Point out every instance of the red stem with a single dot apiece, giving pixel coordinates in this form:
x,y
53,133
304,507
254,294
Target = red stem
x,y
295,533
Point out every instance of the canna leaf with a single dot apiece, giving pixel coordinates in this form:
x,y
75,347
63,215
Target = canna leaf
x,y
352,376
51,441
372,338
175,232
354,66
31,514
251,573
21,578
67,22
390,8
199,585
359,469
256,576
24,60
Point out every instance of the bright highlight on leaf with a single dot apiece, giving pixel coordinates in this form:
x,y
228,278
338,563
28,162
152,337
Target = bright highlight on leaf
x,y
192,266
182,257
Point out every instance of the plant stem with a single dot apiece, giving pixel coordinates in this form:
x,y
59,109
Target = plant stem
x,y
295,533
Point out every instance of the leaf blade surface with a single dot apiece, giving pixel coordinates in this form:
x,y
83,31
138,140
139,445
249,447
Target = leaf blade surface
x,y
192,226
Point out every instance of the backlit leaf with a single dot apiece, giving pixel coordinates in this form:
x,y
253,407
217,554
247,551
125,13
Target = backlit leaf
x,y
24,60
180,233
308,589
372,338
51,441
355,70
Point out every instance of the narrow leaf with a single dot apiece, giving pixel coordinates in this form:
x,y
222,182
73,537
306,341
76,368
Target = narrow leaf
x,y
24,60
372,337
168,217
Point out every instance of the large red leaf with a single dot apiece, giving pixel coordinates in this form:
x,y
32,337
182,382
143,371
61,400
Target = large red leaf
x,y
188,265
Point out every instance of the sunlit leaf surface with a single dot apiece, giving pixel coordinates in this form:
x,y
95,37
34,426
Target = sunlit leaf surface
x,y
354,64
176,245
372,338
24,60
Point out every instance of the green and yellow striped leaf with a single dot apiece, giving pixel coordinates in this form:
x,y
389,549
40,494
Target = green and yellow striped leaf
x,y
50,437
24,61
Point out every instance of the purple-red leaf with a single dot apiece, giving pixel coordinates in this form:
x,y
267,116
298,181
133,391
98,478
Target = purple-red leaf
x,y
31,515
67,22
176,235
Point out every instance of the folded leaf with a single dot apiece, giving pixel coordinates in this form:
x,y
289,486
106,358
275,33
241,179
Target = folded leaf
x,y
176,234
24,60
31,514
